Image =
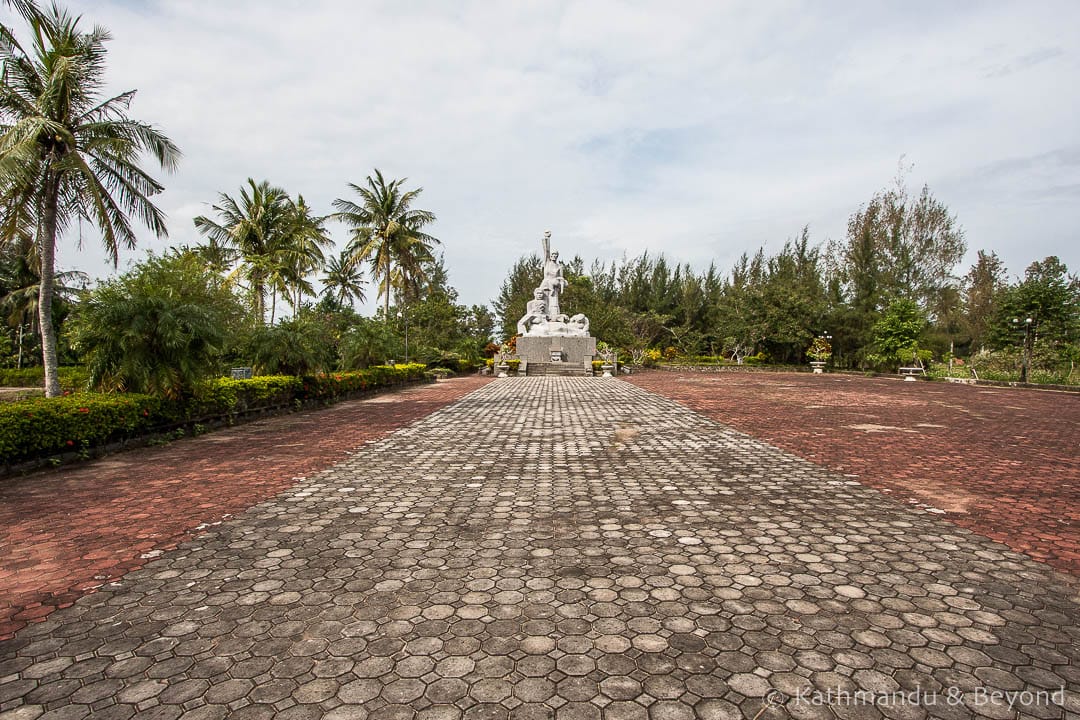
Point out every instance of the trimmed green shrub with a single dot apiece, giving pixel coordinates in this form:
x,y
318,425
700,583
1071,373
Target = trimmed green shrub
x,y
700,360
448,360
22,377
328,386
72,378
46,426
41,427
225,396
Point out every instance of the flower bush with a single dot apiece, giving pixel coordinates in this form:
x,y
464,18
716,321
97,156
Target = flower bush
x,y
820,350
45,426
510,346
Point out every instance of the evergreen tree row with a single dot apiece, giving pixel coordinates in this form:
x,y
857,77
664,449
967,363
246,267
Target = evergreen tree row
x,y
888,294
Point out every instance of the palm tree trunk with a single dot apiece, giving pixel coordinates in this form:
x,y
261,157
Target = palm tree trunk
x,y
386,305
260,300
45,287
273,305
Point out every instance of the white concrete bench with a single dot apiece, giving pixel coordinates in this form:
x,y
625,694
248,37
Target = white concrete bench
x,y
909,373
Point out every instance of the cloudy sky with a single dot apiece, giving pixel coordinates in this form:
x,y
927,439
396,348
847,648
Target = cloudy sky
x,y
700,130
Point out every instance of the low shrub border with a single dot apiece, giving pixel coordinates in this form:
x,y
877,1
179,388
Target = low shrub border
x,y
71,378
42,427
725,367
668,367
42,431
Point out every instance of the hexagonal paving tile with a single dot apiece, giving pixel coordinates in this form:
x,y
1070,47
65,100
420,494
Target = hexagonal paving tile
x,y
510,556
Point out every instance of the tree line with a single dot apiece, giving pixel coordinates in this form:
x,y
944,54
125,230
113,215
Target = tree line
x,y
887,294
70,155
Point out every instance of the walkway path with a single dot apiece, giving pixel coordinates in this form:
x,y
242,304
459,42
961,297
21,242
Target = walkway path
x,y
570,546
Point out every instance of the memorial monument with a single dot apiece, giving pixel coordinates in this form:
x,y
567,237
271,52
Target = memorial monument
x,y
548,335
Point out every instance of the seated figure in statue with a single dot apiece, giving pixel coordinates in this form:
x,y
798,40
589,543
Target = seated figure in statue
x,y
535,312
580,324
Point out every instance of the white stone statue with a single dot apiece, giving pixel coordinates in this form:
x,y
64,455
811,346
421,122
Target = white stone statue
x,y
543,315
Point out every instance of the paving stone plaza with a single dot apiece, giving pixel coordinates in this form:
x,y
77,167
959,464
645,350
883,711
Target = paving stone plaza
x,y
564,548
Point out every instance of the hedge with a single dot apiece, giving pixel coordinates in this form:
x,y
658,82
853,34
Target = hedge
x,y
331,385
71,378
46,426
42,427
225,396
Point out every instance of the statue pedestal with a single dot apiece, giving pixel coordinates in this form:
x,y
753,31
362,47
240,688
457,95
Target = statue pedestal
x,y
574,350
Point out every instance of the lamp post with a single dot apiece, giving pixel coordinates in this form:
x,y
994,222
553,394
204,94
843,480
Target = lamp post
x,y
1025,361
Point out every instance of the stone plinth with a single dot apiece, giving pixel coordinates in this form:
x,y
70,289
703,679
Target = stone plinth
x,y
575,350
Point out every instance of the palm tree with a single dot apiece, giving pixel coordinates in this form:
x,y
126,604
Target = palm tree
x,y
343,280
307,239
250,233
26,8
386,231
20,287
274,242
67,153
411,278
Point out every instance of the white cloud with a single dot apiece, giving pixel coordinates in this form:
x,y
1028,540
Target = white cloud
x,y
699,130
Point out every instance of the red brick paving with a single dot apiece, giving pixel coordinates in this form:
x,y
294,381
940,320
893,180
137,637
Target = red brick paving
x,y
65,532
1002,462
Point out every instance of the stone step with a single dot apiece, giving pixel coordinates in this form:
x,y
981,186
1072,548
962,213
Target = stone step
x,y
554,370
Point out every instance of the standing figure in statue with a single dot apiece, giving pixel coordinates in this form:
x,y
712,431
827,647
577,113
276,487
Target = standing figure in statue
x,y
553,284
